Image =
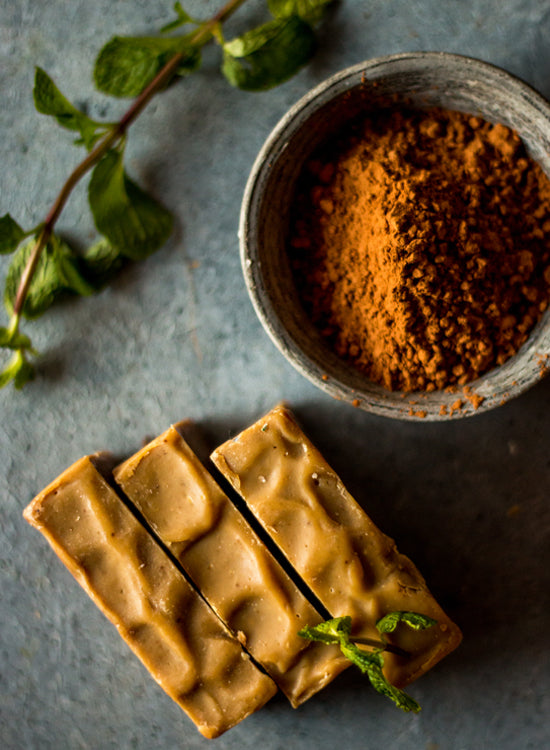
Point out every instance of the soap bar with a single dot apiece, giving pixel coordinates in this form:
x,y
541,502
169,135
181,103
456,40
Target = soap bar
x,y
132,580
228,563
349,564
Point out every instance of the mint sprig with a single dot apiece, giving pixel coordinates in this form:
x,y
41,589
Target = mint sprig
x,y
131,223
337,631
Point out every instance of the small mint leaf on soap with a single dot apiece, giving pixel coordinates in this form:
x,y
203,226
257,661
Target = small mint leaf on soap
x,y
131,220
11,234
414,620
371,663
401,699
362,659
269,54
329,631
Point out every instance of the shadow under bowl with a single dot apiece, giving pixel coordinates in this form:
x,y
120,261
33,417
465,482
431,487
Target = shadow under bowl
x,y
427,79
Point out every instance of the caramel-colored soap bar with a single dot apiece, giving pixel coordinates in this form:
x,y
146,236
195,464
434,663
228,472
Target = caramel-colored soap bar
x,y
351,566
229,564
164,621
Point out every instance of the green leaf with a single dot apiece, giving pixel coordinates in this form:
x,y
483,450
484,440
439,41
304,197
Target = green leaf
x,y
126,65
25,373
71,274
329,631
48,100
311,11
338,631
45,284
362,659
89,139
123,213
371,664
182,18
401,699
14,340
268,55
11,234
18,370
57,272
414,620
101,262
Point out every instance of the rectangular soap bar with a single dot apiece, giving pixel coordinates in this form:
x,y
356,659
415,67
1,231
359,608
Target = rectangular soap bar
x,y
229,564
350,565
165,622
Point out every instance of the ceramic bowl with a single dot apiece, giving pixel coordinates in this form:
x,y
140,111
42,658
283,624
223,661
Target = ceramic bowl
x,y
423,79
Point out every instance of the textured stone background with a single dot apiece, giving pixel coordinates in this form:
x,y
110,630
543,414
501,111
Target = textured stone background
x,y
177,337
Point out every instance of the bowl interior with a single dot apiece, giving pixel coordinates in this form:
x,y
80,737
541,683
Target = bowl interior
x,y
422,80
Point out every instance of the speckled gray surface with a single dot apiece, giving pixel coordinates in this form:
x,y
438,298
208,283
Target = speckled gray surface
x,y
177,337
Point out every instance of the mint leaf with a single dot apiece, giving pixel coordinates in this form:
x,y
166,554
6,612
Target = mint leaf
x,y
371,663
57,272
48,100
389,622
18,370
329,631
11,234
402,700
182,18
268,55
338,630
311,11
71,274
126,65
362,659
45,285
14,340
123,213
101,262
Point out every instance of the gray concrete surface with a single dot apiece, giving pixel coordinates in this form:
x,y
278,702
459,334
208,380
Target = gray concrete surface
x,y
176,337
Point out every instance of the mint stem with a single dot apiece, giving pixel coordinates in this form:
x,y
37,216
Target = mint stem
x,y
381,645
202,35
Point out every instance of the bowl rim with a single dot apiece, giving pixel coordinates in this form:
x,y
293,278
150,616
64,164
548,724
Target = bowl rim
x,y
277,141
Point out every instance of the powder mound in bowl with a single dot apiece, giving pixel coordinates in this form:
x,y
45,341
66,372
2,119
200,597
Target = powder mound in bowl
x,y
420,246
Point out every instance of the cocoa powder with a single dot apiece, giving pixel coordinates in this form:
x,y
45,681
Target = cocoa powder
x,y
420,244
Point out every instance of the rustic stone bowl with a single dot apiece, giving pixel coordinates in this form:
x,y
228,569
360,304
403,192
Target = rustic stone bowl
x,y
422,79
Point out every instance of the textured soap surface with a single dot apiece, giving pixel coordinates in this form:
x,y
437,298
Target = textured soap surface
x,y
229,564
347,561
164,621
